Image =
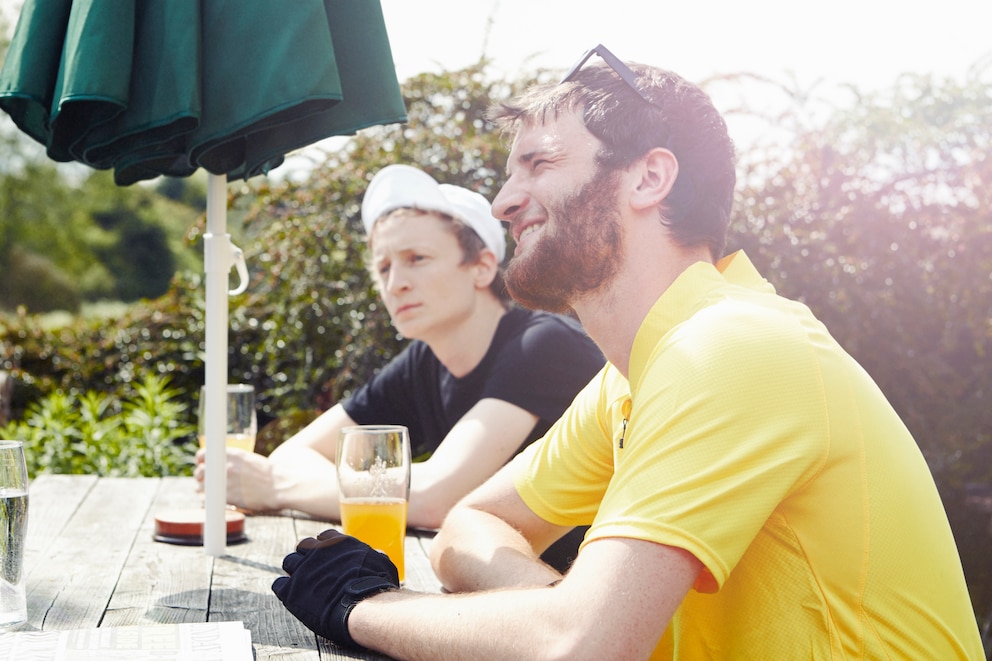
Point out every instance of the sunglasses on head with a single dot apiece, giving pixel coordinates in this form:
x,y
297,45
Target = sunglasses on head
x,y
613,62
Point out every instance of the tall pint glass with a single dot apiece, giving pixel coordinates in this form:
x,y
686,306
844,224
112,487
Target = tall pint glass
x,y
373,467
13,528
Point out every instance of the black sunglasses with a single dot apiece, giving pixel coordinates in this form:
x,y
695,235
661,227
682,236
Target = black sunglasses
x,y
614,63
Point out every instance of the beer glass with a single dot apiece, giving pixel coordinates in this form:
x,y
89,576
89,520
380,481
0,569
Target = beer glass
x,y
373,467
242,423
13,528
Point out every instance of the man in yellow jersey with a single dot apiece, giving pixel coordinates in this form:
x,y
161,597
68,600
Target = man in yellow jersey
x,y
750,492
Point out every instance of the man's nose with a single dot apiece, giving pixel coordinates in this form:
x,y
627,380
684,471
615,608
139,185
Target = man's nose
x,y
396,280
509,201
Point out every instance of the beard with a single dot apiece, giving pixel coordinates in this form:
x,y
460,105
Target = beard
x,y
578,251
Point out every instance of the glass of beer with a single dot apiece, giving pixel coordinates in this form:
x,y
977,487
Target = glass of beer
x,y
242,423
373,466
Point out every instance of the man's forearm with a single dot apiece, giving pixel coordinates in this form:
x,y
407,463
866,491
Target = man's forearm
x,y
514,624
305,480
478,551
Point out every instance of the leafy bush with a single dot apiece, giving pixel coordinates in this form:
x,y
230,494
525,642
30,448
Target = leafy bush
x,y
158,338
140,433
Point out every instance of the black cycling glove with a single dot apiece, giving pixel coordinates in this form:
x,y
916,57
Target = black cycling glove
x,y
327,577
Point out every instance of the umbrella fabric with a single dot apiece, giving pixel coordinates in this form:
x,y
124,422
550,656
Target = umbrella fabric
x,y
164,87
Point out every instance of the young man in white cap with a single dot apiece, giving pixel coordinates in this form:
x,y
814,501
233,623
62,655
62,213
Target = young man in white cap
x,y
480,380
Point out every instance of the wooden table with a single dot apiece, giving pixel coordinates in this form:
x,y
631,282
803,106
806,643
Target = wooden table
x,y
90,561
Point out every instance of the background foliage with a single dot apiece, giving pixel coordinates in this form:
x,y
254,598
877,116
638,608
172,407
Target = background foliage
x,y
877,216
97,433
63,244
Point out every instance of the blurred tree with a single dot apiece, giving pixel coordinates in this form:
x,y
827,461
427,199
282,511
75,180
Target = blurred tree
x,y
136,234
88,241
25,213
190,191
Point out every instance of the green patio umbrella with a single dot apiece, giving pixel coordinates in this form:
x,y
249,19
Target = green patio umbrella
x,y
166,87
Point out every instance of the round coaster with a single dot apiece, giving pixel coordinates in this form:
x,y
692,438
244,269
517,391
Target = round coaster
x,y
185,526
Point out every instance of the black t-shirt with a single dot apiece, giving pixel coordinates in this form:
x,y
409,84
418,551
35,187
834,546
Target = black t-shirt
x,y
537,361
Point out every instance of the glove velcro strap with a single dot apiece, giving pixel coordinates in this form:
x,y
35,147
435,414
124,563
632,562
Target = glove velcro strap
x,y
355,592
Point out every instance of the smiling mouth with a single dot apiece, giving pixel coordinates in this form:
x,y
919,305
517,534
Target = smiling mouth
x,y
528,230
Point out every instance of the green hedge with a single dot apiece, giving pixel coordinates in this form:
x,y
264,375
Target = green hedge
x,y
140,434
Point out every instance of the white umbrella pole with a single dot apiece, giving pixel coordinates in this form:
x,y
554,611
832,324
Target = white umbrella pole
x,y
217,265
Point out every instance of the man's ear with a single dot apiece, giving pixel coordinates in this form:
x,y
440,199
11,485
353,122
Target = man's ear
x,y
656,172
485,269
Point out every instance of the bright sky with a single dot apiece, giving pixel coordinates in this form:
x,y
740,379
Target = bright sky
x,y
828,43
818,46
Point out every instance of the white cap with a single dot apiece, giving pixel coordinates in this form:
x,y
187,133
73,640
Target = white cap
x,y
406,187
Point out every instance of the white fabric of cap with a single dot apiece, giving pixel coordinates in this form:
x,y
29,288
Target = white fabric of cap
x,y
406,187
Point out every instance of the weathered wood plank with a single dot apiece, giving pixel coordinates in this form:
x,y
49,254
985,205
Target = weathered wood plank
x,y
72,583
242,590
163,583
419,574
52,500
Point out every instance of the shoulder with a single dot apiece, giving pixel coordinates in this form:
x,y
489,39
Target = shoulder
x,y
414,350
749,347
415,357
765,327
545,336
535,348
545,325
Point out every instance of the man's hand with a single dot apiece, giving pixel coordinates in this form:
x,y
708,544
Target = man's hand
x,y
328,576
250,481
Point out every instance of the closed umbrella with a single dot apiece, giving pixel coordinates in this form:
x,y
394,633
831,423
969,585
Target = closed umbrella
x,y
166,87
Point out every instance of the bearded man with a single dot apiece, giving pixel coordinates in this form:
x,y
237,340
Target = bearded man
x,y
750,492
